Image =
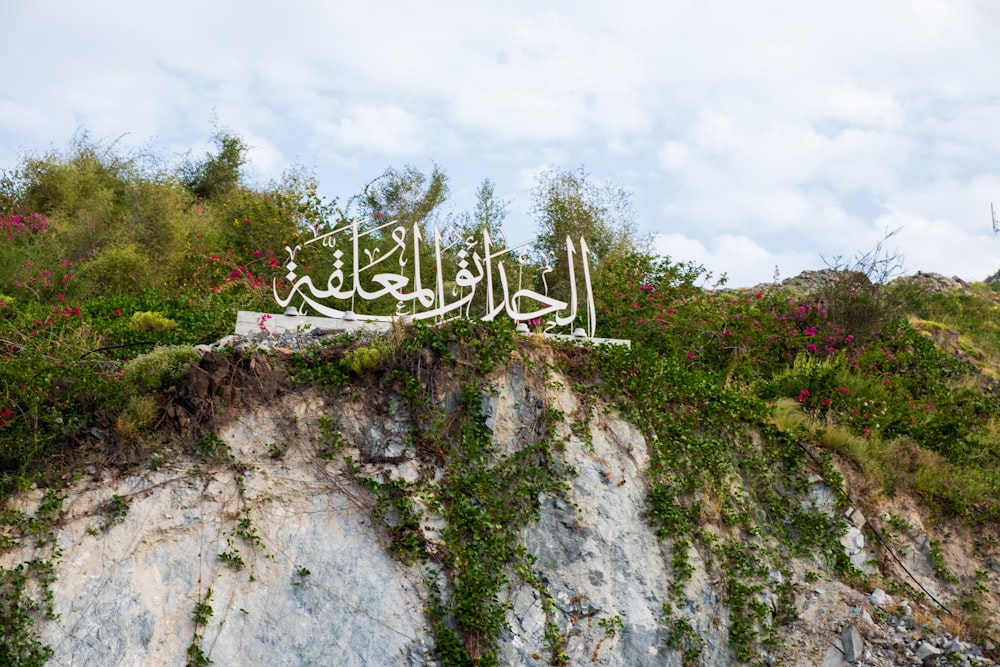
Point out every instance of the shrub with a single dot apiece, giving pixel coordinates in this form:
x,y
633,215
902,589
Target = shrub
x,y
85,190
7,305
161,368
363,359
215,175
139,414
23,227
249,228
115,271
860,306
150,322
814,375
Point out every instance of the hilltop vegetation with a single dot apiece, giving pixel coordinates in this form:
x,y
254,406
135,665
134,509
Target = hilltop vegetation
x,y
105,255
112,267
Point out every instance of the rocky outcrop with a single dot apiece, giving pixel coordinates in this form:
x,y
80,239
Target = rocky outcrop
x,y
811,282
283,554
814,282
934,282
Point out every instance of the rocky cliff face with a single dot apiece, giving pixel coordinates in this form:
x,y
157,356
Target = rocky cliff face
x,y
313,583
271,549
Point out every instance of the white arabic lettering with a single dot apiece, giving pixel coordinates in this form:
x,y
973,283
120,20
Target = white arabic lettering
x,y
479,267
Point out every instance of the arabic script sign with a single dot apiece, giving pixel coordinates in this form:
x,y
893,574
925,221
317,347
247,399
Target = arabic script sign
x,y
479,287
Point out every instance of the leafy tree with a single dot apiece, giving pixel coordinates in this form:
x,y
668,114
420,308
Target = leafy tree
x,y
90,177
406,195
489,213
85,190
8,193
219,173
568,204
255,220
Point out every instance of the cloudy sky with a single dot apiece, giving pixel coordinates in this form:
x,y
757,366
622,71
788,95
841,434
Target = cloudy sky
x,y
754,137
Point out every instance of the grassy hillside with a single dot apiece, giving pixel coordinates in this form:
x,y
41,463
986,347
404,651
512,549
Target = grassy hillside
x,y
110,270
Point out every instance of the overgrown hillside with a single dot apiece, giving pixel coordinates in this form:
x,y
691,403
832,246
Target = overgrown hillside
x,y
112,269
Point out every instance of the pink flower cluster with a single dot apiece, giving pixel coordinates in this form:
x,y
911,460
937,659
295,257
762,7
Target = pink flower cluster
x,y
15,226
241,272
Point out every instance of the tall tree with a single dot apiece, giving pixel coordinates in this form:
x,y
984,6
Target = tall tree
x,y
217,173
407,195
567,203
489,213
488,216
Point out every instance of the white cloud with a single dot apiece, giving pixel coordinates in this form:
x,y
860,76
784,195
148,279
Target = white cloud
x,y
937,245
744,261
673,155
266,158
849,103
389,130
769,131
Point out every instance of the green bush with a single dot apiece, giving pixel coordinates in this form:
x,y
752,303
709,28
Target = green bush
x,y
216,175
363,359
85,189
150,322
161,368
115,271
7,306
860,306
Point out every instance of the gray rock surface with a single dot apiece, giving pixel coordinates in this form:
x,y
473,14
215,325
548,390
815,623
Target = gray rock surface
x,y
320,589
854,645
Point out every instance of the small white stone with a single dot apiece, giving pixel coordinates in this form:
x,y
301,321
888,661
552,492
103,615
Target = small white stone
x,y
925,650
879,597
